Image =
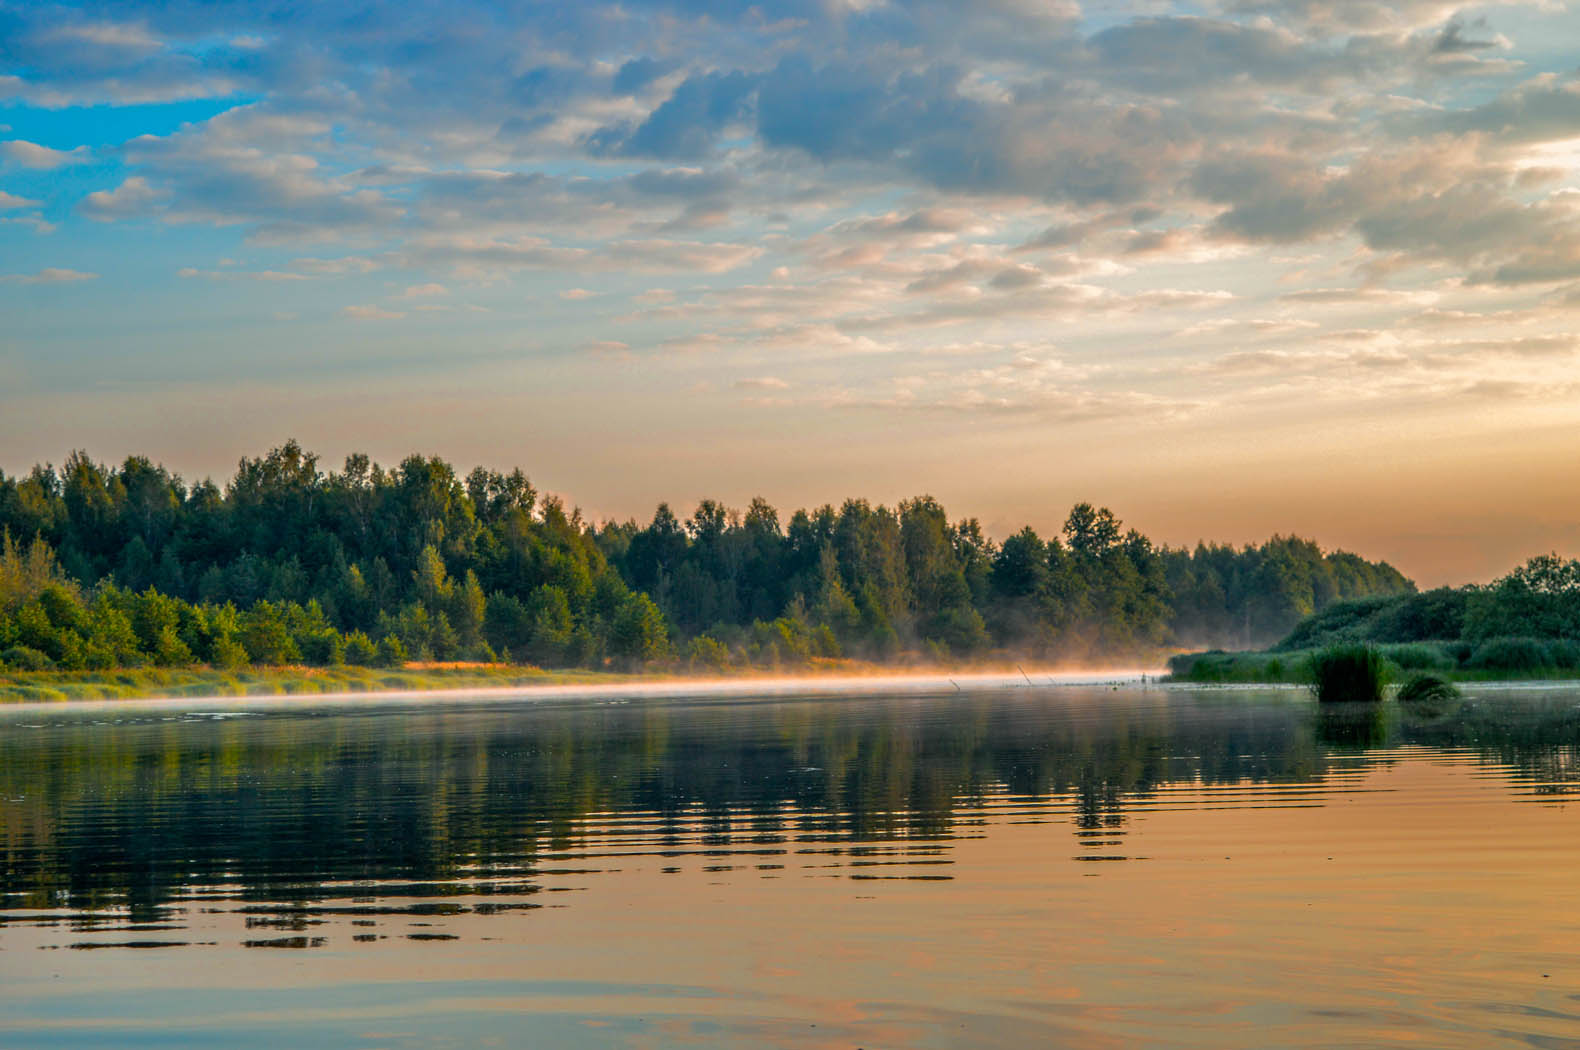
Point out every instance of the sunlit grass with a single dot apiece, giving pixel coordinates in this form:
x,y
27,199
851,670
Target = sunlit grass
x,y
44,686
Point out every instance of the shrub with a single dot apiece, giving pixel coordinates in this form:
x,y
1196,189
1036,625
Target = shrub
x,y
169,649
1565,653
1427,690
1510,654
227,653
709,654
1348,673
25,658
1419,657
391,652
360,650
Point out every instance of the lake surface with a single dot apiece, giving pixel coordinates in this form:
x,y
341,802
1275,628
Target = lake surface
x,y
1073,866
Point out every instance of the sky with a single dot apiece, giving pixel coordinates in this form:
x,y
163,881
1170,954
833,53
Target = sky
x,y
1230,269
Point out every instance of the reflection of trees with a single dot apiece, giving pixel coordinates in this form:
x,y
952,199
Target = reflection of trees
x,y
137,812
1354,725
1536,736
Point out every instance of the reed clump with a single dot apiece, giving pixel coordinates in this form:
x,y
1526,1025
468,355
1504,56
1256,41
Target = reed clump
x,y
1427,689
1348,673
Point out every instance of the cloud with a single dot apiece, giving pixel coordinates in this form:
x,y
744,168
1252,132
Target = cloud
x,y
762,383
40,158
189,272
912,181
1345,296
687,124
49,275
371,313
108,34
132,197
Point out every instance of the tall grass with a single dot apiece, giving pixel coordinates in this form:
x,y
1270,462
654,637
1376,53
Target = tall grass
x,y
268,681
1348,674
1426,692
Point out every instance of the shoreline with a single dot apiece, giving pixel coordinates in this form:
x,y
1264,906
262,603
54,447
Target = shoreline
x,y
622,688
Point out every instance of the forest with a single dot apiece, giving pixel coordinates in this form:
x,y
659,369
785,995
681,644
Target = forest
x,y
287,563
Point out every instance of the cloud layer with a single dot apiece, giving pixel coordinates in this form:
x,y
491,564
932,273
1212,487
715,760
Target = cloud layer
x,y
1025,215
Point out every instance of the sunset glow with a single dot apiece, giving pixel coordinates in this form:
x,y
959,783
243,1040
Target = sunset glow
x,y
1230,269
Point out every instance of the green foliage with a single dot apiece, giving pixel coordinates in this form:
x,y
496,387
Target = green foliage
x,y
707,654
1348,674
1541,599
1420,656
1219,667
25,658
360,651
108,566
1510,654
1435,615
391,652
25,574
266,637
227,653
637,634
1424,690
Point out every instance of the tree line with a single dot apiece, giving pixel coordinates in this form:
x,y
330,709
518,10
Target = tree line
x,y
110,566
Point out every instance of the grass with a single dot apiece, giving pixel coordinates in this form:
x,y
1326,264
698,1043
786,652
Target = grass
x,y
1496,659
1348,674
147,682
1427,691
156,682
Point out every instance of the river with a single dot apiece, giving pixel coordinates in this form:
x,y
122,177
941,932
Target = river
x,y
1081,866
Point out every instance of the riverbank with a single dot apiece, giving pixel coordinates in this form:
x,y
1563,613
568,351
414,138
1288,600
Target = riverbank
x,y
1497,660
428,681
173,683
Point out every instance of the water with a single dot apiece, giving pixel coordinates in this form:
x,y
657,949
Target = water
x,y
1083,867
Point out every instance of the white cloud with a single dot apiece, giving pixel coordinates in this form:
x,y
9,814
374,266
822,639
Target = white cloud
x,y
40,158
132,197
240,275
371,313
49,275
108,34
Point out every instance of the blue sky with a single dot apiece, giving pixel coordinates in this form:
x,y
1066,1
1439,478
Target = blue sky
x,y
1293,265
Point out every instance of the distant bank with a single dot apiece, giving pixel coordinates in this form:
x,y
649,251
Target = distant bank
x,y
1524,625
427,683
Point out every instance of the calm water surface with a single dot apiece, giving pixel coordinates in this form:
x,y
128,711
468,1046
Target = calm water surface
x,y
1082,867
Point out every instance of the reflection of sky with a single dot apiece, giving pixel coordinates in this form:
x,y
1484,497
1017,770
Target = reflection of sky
x,y
810,249
1421,895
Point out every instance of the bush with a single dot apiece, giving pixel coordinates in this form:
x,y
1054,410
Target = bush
x,y
227,653
1564,653
707,654
391,652
25,658
1419,657
1427,691
1348,674
360,650
1510,654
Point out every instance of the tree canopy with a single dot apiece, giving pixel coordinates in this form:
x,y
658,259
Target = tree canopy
x,y
107,566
